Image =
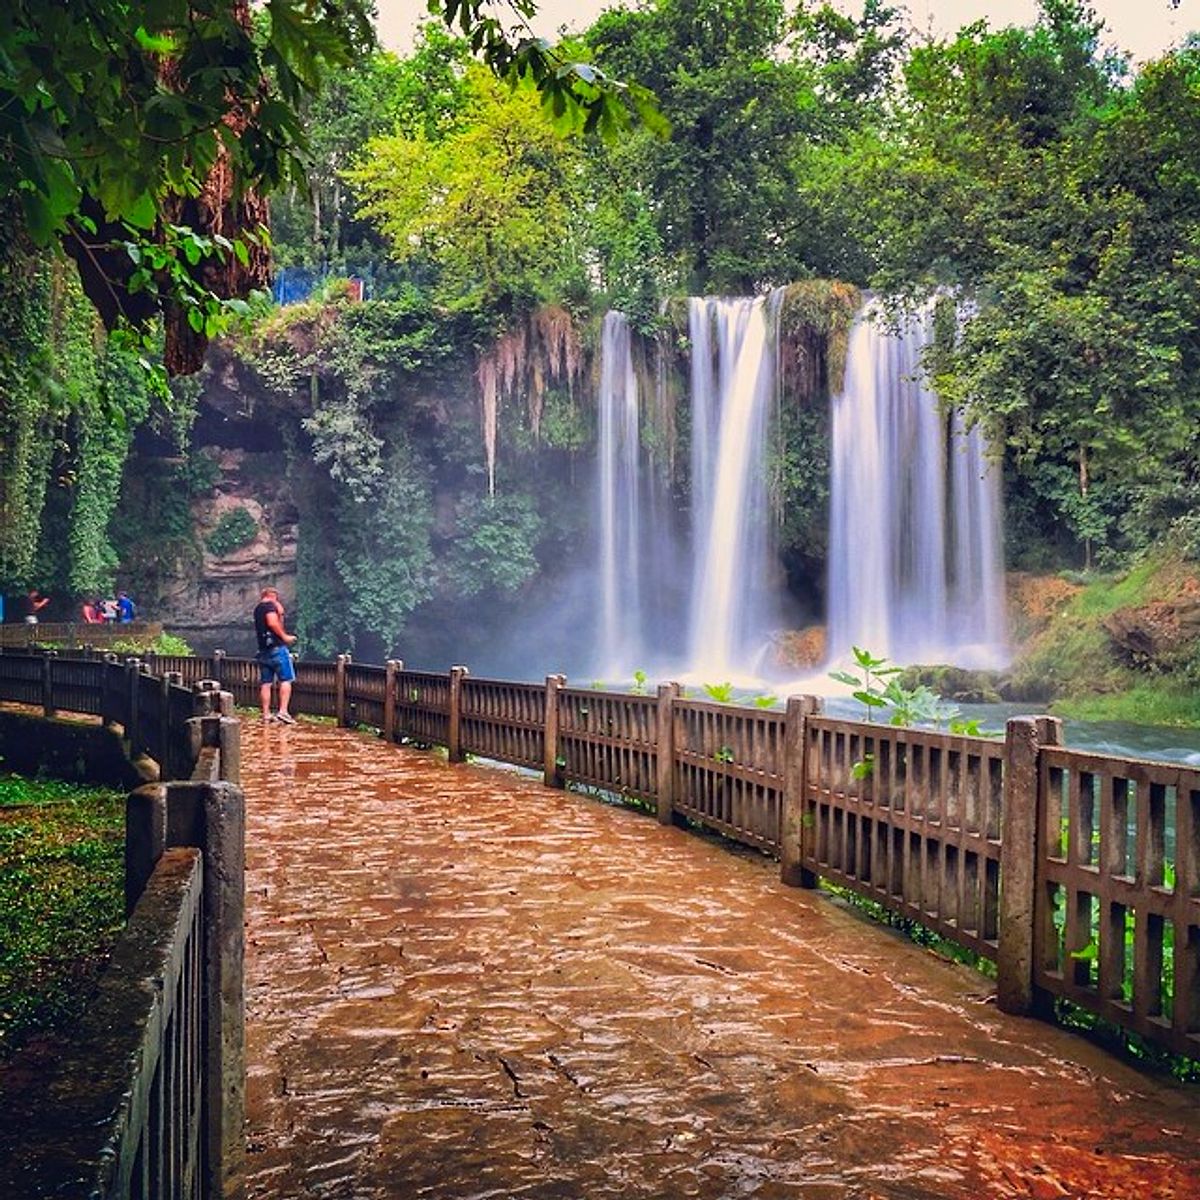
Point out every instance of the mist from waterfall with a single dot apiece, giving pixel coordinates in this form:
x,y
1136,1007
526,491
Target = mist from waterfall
x,y
915,545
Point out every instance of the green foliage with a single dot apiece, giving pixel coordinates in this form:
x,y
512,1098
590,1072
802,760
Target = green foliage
x,y
365,565
70,403
30,413
1024,170
119,404
866,685
493,548
917,705
564,423
114,124
722,693
235,529
167,644
61,900
487,205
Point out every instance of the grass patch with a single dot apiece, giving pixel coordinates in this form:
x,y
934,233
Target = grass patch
x,y
1140,704
1105,594
62,870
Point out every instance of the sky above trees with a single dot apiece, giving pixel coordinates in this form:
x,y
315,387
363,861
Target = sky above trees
x,y
1143,27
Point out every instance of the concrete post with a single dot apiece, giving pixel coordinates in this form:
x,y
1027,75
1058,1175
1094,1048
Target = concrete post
x,y
218,671
551,771
48,657
205,698
212,816
665,753
454,736
391,669
1020,846
230,742
793,836
145,838
339,688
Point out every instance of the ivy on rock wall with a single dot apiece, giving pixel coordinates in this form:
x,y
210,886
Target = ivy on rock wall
x,y
380,407
69,406
28,415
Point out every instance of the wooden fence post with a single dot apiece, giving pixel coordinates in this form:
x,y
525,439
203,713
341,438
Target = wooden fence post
x,y
166,767
48,657
133,671
1020,846
793,837
391,669
551,771
664,756
339,688
107,673
454,733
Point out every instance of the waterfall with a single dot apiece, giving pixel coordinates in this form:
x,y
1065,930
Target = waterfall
x,y
732,384
620,486
646,607
915,557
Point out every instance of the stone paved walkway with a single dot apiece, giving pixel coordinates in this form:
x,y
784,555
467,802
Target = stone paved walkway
x,y
462,984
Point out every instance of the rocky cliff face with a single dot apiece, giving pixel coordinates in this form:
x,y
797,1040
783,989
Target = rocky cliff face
x,y
209,598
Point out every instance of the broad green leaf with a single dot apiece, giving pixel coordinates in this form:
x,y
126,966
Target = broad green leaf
x,y
142,212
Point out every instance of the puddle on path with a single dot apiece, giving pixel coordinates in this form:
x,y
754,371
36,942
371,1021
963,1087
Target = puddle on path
x,y
464,985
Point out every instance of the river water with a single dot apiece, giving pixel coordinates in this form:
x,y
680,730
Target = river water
x,y
1104,737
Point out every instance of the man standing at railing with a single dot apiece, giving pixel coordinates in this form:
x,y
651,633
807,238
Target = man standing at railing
x,y
274,661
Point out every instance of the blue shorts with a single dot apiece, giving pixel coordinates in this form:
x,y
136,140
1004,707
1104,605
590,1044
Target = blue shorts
x,y
275,664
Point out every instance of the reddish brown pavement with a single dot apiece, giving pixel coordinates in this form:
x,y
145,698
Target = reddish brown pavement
x,y
463,984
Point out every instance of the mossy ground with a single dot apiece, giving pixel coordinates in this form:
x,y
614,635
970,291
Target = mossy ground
x,y
1071,658
61,900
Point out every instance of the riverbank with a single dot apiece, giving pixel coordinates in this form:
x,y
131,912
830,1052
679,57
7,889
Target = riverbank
x,y
1111,647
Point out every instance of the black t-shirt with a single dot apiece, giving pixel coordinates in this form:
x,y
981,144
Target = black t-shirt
x,y
266,639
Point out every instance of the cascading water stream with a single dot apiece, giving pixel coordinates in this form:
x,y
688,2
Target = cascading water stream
x,y
620,487
730,403
915,559
915,567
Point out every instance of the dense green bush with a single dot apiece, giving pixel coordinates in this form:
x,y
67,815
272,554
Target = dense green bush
x,y
235,529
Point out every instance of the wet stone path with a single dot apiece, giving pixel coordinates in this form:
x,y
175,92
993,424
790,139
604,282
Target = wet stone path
x,y
463,984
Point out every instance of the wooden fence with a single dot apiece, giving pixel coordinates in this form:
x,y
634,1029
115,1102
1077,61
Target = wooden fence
x,y
146,1098
1078,874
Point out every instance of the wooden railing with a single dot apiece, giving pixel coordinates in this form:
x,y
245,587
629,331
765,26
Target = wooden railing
x,y
146,1098
962,834
910,819
1118,930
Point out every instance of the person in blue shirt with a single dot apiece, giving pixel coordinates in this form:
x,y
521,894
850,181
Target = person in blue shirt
x,y
126,609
